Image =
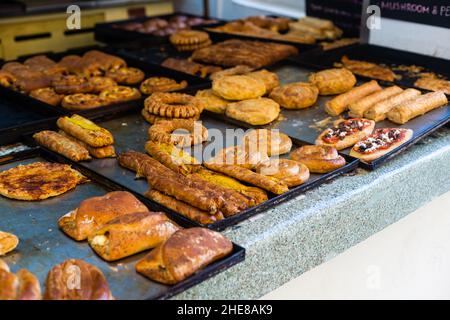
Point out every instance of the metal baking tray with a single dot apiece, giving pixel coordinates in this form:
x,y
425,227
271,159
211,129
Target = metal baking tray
x,y
150,70
42,245
107,33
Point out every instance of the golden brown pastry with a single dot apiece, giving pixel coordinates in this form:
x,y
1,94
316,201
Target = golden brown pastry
x,y
71,84
190,40
76,280
333,81
7,79
71,63
82,101
106,61
152,119
162,131
340,103
237,70
38,181
243,156
47,95
99,84
62,145
8,242
99,153
95,212
85,130
318,159
270,79
173,105
239,87
130,234
368,69
258,111
161,84
212,102
126,75
119,94
297,95
358,108
183,254
20,286
433,83
410,109
272,142
289,172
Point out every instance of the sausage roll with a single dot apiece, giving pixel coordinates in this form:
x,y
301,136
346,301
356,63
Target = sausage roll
x,y
99,153
183,254
358,108
62,145
20,286
86,131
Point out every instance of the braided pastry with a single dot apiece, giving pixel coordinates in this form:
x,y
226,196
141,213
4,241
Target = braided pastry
x,y
173,105
162,132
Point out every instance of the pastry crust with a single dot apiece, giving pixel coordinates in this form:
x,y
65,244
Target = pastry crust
x,y
95,212
289,172
7,79
91,283
368,69
258,111
318,159
410,109
152,119
106,61
85,130
71,84
99,153
270,79
8,242
241,155
340,103
212,102
161,84
238,87
162,131
130,234
20,286
270,141
345,133
358,108
47,95
434,84
82,101
189,37
101,83
126,75
62,145
173,105
297,95
333,81
183,254
119,94
237,70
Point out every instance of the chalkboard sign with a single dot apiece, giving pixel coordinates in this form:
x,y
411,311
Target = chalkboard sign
x,y
346,14
431,12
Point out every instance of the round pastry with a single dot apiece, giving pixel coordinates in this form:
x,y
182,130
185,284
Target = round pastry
x,y
161,84
71,84
254,111
212,102
270,79
318,159
290,172
271,141
192,47
238,87
189,37
47,95
101,83
120,93
333,81
162,131
239,69
82,101
126,75
151,118
296,95
241,156
173,105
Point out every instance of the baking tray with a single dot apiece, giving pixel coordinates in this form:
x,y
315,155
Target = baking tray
x,y
107,33
43,245
381,55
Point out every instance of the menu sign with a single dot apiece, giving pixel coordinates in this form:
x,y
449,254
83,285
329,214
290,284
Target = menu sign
x,y
346,14
431,12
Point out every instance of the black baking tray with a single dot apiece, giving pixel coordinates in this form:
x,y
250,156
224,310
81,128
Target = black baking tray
x,y
107,33
43,245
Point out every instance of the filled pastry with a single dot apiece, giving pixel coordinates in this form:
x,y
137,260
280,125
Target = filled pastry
x,y
290,172
212,102
20,286
8,242
358,108
318,159
297,95
239,87
333,81
258,111
273,142
62,145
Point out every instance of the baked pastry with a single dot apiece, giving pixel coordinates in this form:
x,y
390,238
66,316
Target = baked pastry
x,y
297,95
130,234
358,108
173,105
47,95
45,65
8,242
190,67
126,75
289,172
85,130
379,110
183,208
152,119
273,142
183,254
432,83
410,109
254,111
242,155
212,102
318,159
316,27
99,84
62,145
340,103
162,131
95,212
270,79
237,70
190,40
7,79
20,286
38,181
96,152
345,133
119,94
71,84
238,87
368,69
381,142
161,84
71,63
82,101
76,280
333,81
107,61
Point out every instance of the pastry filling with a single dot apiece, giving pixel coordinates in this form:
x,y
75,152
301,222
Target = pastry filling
x,y
382,139
344,129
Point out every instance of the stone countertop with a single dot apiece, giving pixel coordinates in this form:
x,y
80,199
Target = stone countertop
x,y
284,242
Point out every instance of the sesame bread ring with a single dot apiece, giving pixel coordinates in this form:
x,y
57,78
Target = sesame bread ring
x,y
318,159
162,131
151,118
161,84
173,105
188,37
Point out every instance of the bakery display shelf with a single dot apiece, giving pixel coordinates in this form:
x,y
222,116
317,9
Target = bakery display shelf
x,y
107,33
42,245
393,58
